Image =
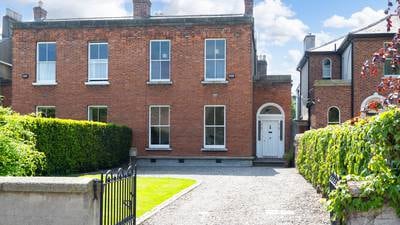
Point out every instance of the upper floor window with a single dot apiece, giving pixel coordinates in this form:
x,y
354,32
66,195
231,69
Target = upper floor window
x,y
46,62
214,127
98,61
160,60
215,59
390,69
46,111
97,113
333,115
326,69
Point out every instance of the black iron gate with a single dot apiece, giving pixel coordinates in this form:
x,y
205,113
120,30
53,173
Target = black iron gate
x,y
118,197
333,181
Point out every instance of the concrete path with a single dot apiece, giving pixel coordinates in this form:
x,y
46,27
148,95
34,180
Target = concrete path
x,y
241,196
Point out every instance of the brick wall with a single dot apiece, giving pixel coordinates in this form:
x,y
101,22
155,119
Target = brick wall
x,y
6,92
128,97
278,93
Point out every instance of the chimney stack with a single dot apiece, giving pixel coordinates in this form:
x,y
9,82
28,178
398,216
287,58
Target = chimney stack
x,y
309,42
141,8
39,14
262,66
248,7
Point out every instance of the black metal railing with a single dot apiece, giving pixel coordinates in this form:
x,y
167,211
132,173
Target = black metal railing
x,y
118,197
333,181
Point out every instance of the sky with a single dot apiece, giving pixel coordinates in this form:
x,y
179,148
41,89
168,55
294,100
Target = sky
x,y
280,24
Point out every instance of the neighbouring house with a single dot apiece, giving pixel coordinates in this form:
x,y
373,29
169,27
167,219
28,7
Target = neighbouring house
x,y
188,86
332,89
9,19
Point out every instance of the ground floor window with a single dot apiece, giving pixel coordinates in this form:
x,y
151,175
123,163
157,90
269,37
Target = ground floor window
x,y
214,126
159,127
333,115
97,113
46,111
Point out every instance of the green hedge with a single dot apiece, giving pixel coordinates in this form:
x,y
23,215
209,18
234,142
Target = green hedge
x,y
367,151
77,146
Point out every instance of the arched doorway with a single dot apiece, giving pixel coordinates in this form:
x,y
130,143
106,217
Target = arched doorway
x,y
270,132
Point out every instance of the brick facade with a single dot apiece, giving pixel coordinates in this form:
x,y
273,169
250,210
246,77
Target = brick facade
x,y
129,96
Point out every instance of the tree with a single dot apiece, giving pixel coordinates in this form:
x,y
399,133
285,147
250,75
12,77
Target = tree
x,y
389,87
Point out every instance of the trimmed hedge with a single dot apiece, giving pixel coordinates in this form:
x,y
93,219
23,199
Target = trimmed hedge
x,y
367,151
77,146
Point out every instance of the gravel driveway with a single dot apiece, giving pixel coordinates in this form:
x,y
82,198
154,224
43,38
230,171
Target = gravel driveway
x,y
241,195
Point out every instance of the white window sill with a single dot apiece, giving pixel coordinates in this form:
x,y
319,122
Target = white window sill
x,y
44,83
159,82
97,83
214,82
214,149
158,149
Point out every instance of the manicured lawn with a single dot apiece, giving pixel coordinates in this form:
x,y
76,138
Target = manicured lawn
x,y
152,191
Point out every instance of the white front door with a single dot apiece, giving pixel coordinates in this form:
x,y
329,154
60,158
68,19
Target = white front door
x,y
270,138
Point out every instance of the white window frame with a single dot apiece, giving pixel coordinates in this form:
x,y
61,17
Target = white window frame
x,y
217,147
384,64
205,60
152,146
98,61
330,68
50,82
160,60
334,123
45,106
96,106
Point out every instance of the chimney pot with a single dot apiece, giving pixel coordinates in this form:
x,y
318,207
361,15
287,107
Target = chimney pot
x,y
39,14
248,7
141,8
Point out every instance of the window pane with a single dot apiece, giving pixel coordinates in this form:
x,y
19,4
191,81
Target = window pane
x,y
98,69
155,136
210,49
220,64
220,49
42,52
210,69
155,50
164,120
219,136
93,114
164,136
165,70
333,115
46,71
210,115
155,70
155,115
103,51
102,115
51,52
94,53
219,116
51,113
165,50
210,135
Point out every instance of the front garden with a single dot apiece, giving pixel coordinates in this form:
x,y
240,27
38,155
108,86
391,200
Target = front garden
x,y
366,150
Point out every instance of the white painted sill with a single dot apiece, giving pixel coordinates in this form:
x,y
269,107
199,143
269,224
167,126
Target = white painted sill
x,y
158,149
214,82
97,83
159,82
214,149
44,83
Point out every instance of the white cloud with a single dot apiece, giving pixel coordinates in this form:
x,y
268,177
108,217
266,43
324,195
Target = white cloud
x,y
276,23
79,8
322,38
295,55
357,20
185,7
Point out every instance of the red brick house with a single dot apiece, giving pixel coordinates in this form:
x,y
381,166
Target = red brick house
x,y
187,86
331,89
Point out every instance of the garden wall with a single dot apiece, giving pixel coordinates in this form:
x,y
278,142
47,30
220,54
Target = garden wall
x,y
367,151
49,201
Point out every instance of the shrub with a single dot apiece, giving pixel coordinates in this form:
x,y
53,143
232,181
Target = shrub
x,y
368,151
77,146
18,156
